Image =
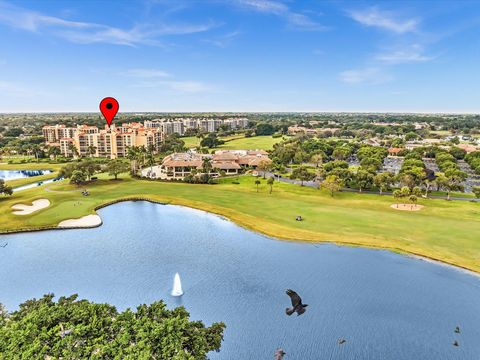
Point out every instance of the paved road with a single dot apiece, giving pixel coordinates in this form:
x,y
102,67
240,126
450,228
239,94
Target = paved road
x,y
314,184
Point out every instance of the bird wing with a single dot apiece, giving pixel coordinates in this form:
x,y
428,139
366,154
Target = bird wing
x,y
300,310
296,300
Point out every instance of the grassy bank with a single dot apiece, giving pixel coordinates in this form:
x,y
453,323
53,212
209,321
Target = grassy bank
x,y
31,166
448,231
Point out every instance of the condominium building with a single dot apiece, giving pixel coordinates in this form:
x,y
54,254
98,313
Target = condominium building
x,y
236,123
53,133
180,125
114,141
110,142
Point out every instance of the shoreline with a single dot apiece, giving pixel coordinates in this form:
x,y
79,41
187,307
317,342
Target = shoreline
x,y
413,255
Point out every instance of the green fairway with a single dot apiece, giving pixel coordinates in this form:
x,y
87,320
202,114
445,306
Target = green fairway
x,y
443,230
251,143
191,141
238,142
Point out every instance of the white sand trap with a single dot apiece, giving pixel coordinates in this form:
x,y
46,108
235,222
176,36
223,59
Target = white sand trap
x,y
86,221
22,209
406,207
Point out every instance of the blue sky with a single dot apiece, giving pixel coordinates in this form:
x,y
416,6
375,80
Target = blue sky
x,y
240,55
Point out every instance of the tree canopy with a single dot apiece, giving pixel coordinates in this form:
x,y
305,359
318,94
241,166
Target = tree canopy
x,y
78,329
4,188
116,167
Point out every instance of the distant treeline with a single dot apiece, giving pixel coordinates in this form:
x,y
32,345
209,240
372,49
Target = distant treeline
x,y
14,125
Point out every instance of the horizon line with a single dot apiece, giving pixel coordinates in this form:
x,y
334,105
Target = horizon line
x,y
253,112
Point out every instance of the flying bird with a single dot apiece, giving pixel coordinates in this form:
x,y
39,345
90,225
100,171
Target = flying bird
x,y
297,305
279,354
341,341
455,343
4,245
457,330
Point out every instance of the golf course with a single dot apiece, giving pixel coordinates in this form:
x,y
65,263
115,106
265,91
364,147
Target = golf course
x,y
237,142
447,231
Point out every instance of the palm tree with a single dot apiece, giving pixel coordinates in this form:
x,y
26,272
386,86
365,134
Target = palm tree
x,y
142,152
73,149
413,199
397,194
405,191
207,165
150,157
54,151
132,155
36,151
270,182
257,182
91,150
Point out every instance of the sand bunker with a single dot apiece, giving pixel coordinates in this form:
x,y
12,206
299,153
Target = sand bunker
x,y
22,209
86,221
406,207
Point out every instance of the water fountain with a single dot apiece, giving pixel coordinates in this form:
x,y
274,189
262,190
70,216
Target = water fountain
x,y
177,286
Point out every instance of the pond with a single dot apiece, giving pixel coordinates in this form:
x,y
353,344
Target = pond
x,y
21,174
40,183
387,306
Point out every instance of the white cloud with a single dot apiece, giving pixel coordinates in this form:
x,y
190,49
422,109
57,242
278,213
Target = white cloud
x,y
412,54
267,6
384,20
278,8
147,73
88,33
370,75
223,40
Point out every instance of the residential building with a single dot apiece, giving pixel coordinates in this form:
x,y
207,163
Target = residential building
x,y
469,148
54,133
178,165
179,125
394,151
299,130
114,141
111,142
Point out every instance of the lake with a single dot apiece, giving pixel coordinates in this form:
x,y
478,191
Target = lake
x,y
387,306
21,174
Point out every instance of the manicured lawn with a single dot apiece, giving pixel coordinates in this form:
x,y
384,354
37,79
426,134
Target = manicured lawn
x,y
452,194
17,159
191,141
441,132
251,143
238,142
443,230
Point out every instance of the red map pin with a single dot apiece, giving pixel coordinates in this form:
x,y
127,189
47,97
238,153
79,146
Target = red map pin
x,y
109,108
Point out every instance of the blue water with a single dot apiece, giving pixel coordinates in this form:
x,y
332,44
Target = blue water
x,y
32,185
21,174
387,306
